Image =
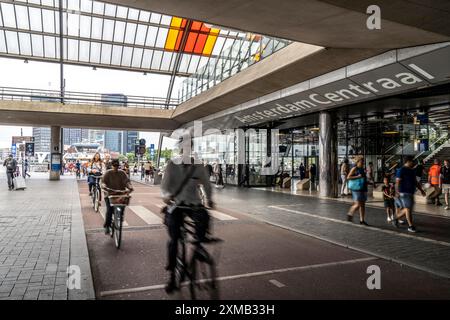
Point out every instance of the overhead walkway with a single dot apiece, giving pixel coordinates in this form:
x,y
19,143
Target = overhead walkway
x,y
89,110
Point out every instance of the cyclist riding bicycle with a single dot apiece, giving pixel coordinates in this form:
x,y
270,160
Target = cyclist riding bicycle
x,y
78,168
95,168
113,179
180,190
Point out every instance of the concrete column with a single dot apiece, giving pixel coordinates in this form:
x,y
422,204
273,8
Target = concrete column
x,y
328,166
55,150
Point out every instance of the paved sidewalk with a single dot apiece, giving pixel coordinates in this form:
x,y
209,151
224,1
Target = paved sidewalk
x,y
428,250
41,235
418,207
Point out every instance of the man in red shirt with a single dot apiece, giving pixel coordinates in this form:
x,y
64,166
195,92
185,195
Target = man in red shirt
x,y
434,179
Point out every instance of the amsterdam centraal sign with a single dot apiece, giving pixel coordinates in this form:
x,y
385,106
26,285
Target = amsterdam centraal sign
x,y
410,73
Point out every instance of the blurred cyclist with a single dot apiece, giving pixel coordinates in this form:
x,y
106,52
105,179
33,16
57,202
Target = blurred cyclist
x,y
180,190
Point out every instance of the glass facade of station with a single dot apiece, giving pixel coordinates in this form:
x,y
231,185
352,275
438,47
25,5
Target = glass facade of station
x,y
384,141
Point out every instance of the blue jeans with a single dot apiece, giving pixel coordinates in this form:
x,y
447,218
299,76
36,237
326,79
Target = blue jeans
x,y
407,200
10,176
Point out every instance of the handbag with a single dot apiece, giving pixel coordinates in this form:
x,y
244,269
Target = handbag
x,y
356,184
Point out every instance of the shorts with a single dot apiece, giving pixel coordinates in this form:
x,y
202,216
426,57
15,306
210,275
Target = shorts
x,y
398,203
407,200
446,188
389,203
360,196
147,172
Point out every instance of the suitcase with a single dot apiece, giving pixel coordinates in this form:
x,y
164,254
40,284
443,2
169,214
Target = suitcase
x,y
19,183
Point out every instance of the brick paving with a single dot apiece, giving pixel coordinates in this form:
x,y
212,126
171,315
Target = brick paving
x,y
37,239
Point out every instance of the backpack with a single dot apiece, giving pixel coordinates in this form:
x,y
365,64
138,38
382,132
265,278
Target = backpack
x,y
11,165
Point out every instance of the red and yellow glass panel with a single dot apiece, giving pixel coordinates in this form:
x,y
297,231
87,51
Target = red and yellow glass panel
x,y
200,38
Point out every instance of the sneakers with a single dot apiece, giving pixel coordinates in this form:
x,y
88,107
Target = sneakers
x,y
401,221
395,223
438,204
363,223
107,231
389,219
412,229
349,218
447,207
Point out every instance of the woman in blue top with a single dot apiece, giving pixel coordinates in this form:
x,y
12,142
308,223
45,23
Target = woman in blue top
x,y
359,196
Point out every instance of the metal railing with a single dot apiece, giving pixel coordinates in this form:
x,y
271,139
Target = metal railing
x,y
74,97
438,145
239,56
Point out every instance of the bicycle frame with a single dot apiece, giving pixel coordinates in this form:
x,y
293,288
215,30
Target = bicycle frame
x,y
97,188
185,268
118,214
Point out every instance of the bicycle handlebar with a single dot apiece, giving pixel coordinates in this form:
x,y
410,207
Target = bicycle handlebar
x,y
117,191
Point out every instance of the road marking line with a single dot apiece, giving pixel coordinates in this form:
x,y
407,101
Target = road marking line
x,y
221,216
103,214
245,275
216,214
277,283
146,215
447,244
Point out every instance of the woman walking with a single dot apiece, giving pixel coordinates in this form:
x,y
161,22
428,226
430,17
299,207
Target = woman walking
x,y
357,182
344,173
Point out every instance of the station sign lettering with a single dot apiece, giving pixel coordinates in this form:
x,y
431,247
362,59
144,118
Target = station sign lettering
x,y
409,74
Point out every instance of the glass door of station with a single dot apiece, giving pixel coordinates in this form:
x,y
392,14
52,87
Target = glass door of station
x,y
298,146
255,155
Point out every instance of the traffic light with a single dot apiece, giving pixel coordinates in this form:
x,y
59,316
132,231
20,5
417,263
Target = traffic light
x,y
29,149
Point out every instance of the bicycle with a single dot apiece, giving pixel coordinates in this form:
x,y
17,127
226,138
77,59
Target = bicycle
x,y
119,201
200,270
97,194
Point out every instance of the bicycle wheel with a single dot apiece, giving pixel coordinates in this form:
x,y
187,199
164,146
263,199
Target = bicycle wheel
x,y
180,267
118,227
97,200
112,228
203,284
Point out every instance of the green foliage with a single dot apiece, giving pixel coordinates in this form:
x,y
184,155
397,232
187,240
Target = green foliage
x,y
130,156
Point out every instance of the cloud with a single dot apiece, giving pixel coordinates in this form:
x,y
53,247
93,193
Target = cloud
x,y
7,132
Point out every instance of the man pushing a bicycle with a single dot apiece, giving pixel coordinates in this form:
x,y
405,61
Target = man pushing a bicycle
x,y
180,191
113,179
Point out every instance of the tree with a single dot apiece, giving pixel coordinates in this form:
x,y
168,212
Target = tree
x,y
131,157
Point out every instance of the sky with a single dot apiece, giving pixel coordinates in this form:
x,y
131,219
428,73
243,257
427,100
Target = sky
x,y
40,75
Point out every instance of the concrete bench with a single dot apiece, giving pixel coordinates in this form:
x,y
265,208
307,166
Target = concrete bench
x,y
418,198
303,184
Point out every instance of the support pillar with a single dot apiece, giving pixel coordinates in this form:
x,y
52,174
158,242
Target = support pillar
x,y
328,160
56,155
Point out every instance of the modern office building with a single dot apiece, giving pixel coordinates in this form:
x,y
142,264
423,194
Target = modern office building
x,y
42,139
113,140
128,141
75,135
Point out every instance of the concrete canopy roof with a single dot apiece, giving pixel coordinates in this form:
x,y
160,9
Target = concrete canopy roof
x,y
328,23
